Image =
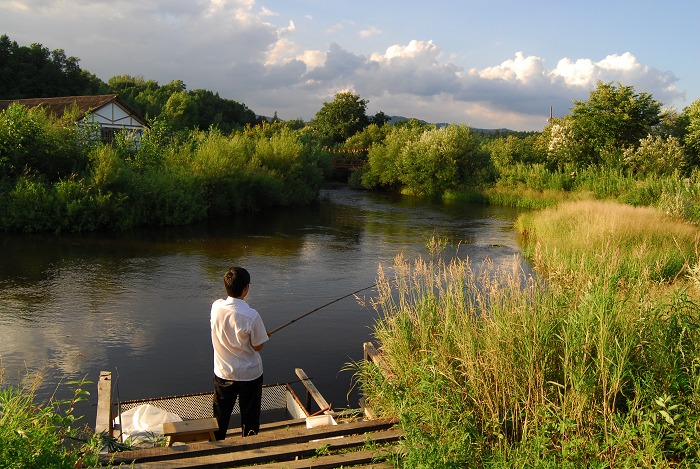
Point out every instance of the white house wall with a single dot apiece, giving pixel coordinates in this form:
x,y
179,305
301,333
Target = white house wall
x,y
113,115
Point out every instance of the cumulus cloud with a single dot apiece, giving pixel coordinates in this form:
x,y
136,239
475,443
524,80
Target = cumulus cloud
x,y
234,48
369,32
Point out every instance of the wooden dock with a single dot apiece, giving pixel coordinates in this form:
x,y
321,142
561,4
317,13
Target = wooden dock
x,y
286,444
359,440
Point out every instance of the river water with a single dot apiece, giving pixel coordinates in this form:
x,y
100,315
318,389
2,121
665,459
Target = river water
x,y
138,303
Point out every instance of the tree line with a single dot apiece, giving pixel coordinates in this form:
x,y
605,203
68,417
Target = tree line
x,y
618,143
36,72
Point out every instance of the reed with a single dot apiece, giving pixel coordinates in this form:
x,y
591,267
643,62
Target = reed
x,y
595,362
37,434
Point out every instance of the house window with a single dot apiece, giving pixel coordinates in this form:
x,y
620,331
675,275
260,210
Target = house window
x,y
107,134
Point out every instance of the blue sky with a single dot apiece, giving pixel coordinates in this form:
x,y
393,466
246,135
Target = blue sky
x,y
489,64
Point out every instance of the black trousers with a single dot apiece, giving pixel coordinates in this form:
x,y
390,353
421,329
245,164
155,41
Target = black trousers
x,y
249,394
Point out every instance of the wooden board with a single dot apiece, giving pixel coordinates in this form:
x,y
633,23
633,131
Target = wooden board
x,y
190,430
282,435
287,454
103,421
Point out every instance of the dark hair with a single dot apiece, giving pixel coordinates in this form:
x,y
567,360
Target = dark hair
x,y
235,281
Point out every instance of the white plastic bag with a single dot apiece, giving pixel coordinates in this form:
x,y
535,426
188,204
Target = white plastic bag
x,y
144,422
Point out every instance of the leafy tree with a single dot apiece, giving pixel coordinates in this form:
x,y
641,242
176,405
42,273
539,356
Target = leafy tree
x,y
34,144
656,155
366,137
383,168
511,149
613,118
342,118
564,146
35,72
379,119
224,114
181,111
691,115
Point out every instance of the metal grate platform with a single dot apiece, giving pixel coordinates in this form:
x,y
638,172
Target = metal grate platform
x,y
198,406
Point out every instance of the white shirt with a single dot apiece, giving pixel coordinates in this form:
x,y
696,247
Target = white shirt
x,y
235,329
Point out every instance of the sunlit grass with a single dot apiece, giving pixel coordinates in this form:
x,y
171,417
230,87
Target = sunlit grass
x,y
594,364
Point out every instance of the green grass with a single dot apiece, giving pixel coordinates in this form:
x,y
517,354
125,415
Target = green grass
x,y
595,363
36,435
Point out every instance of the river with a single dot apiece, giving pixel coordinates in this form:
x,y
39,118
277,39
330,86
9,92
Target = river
x,y
138,303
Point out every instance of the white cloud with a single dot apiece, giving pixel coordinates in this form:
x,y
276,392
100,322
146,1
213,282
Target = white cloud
x,y
522,69
312,58
369,32
233,48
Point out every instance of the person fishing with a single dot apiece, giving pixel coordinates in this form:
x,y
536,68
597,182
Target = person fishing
x,y
237,335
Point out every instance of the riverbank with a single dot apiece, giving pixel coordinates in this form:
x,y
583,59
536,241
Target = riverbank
x,y
535,187
592,364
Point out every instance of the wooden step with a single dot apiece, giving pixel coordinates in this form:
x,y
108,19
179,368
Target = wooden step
x,y
190,430
295,455
279,435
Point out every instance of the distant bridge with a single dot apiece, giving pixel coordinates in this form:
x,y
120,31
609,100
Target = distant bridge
x,y
348,163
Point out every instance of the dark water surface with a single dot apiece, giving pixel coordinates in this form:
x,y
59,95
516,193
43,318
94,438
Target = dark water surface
x,y
138,303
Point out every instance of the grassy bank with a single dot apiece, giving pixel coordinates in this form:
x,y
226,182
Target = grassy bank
x,y
533,186
43,435
594,364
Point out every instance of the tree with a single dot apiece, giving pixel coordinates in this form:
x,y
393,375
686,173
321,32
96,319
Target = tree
x,y
181,111
613,119
342,118
35,72
656,155
692,135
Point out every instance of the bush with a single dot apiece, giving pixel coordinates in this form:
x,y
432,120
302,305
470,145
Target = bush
x,y
43,435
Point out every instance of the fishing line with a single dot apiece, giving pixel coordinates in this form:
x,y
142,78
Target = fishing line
x,y
320,307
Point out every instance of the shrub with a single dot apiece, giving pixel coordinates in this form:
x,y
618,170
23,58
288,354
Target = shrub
x,y
43,435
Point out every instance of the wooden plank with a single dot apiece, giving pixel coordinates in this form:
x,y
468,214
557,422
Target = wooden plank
x,y
372,354
332,461
322,404
190,430
285,453
103,421
285,435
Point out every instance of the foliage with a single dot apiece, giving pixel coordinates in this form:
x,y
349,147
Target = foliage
x,y
514,150
565,147
656,155
35,72
594,364
43,435
33,143
427,160
196,109
442,159
613,117
166,180
340,119
384,170
692,138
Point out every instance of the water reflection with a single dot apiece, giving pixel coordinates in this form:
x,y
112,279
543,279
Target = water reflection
x,y
138,303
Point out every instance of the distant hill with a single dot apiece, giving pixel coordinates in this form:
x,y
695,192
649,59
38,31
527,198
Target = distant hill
x,y
395,119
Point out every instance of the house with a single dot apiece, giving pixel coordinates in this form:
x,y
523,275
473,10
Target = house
x,y
111,113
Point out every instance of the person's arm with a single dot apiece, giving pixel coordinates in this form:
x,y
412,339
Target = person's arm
x,y
258,348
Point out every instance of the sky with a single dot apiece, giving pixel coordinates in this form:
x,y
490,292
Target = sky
x,y
483,63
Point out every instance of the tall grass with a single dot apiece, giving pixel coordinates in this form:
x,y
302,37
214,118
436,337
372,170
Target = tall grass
x,y
535,186
166,182
595,363
38,435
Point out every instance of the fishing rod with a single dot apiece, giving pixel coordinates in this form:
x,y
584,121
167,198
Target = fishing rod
x,y
320,307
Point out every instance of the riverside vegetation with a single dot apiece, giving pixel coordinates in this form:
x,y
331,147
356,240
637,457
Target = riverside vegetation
x,y
594,364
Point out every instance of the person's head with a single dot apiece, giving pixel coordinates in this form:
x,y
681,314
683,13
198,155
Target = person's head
x,y
236,279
